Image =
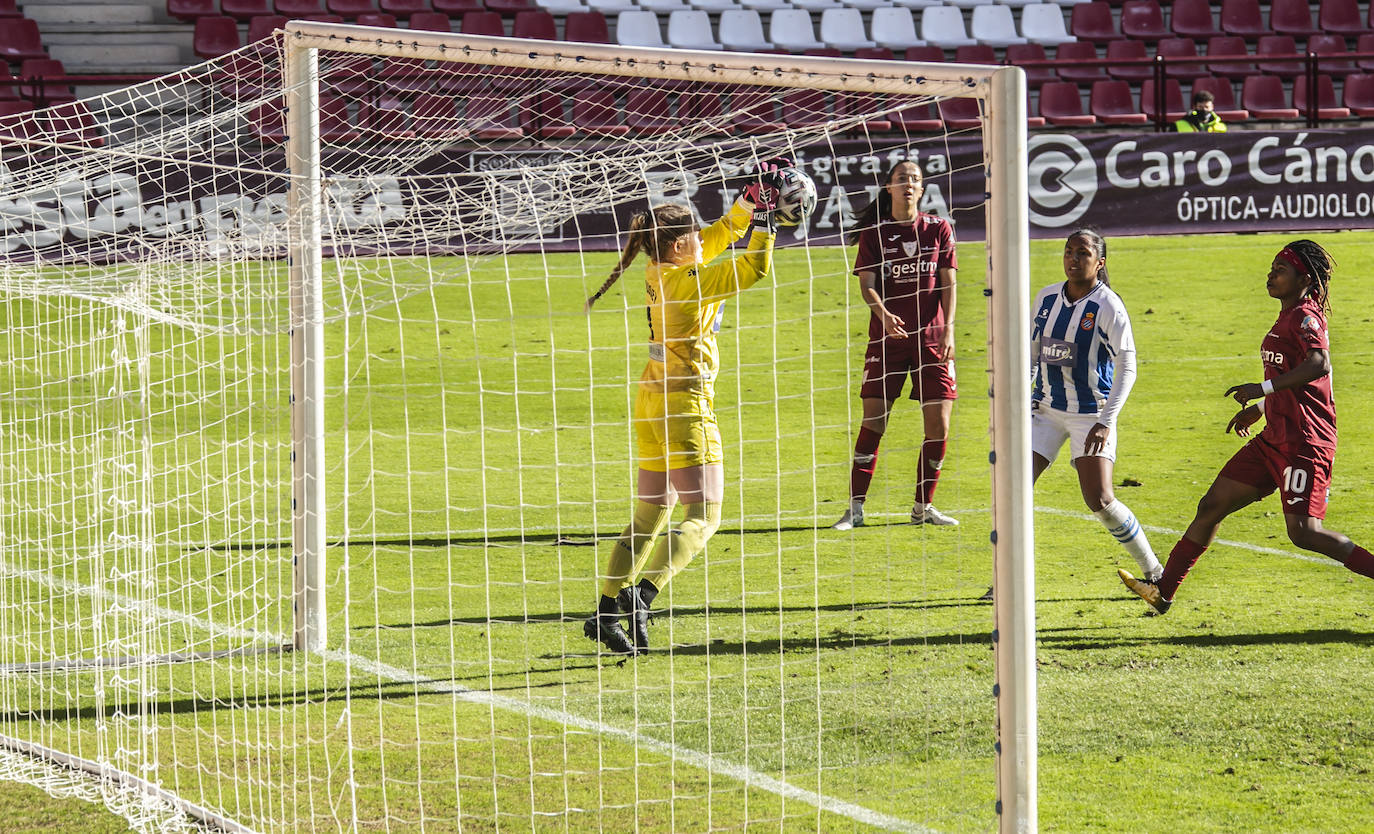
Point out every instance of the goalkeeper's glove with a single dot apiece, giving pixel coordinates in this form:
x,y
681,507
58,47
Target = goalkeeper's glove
x,y
765,190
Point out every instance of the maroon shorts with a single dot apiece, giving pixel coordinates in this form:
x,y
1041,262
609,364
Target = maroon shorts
x,y
889,362
1302,474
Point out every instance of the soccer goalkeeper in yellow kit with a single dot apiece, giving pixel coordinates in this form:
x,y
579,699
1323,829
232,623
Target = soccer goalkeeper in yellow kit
x,y
678,440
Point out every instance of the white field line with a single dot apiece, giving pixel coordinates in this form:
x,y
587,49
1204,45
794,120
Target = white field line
x,y
696,758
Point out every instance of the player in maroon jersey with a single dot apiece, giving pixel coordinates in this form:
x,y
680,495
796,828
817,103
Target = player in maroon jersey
x,y
906,266
1294,452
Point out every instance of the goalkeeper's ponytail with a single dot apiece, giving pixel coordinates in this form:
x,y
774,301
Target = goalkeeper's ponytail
x,y
653,232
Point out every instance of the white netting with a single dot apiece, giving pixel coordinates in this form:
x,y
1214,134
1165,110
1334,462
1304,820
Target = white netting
x,y
478,442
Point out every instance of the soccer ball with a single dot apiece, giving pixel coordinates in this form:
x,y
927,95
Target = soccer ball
x,y
797,198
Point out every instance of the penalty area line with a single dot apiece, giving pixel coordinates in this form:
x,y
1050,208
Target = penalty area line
x,y
696,758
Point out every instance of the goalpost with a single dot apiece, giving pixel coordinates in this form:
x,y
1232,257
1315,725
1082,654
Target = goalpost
x,y
280,322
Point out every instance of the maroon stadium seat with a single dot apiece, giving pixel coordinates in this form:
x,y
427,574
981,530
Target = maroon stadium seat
x,y
1278,45
19,39
403,9
594,112
71,123
1365,45
262,26
9,85
37,83
874,53
298,8
436,117
478,23
1341,17
805,107
184,10
431,22
382,19
1230,46
1331,50
543,115
1223,97
493,116
215,36
754,110
16,121
704,104
1018,54
1093,22
917,118
511,8
1327,105
539,25
976,53
458,8
924,54
385,117
1262,95
350,9
1062,106
585,27
1242,17
245,10
1358,94
1292,17
855,103
1129,51
960,113
647,111
1110,101
1143,20
10,8
1173,100
1078,51
1193,19
1176,52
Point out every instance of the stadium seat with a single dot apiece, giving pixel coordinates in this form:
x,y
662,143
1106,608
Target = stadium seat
x,y
1017,4
245,10
472,23
385,117
1093,22
638,28
38,84
843,29
691,29
537,24
403,9
511,8
959,113
1067,54
595,113
1021,54
805,107
874,111
1110,102
915,4
816,5
647,111
19,39
455,9
1043,23
1292,17
703,105
1278,45
1193,19
1262,95
1143,20
187,11
994,26
944,25
1328,107
262,26
484,23
894,27
1129,51
9,85
1341,17
790,29
875,53
543,115
1223,97
741,30
1365,44
350,9
72,123
1173,100
493,116
968,4
664,7
611,8
1358,94
1176,52
215,36
382,19
754,110
1229,46
16,121
764,5
915,118
10,8
713,6
1062,106
298,8
928,54
867,5
1242,17
1330,51
975,54
586,27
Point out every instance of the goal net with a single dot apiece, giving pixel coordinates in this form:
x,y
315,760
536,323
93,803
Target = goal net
x,y
313,459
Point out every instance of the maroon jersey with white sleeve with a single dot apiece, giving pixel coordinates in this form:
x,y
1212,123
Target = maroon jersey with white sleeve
x,y
906,256
1306,415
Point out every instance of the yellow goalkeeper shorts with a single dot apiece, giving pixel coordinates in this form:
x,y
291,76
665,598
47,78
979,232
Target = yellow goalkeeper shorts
x,y
675,430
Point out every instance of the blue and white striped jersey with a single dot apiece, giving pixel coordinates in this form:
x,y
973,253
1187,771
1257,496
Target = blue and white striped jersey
x,y
1075,344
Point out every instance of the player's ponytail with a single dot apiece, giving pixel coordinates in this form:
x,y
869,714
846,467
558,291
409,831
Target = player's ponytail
x,y
654,232
1100,244
1318,265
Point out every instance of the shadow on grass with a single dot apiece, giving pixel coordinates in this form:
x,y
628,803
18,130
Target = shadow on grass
x,y
1308,637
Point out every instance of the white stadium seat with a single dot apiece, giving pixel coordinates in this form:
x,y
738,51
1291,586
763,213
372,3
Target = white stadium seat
x,y
663,6
968,4
1043,23
995,26
895,28
791,29
611,8
691,30
943,26
866,5
713,5
764,5
638,28
558,8
816,5
843,29
741,30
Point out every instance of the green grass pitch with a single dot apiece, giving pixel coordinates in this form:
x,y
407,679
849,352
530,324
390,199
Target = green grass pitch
x,y
817,680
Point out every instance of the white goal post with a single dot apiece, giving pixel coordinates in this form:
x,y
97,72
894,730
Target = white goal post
x,y
1004,93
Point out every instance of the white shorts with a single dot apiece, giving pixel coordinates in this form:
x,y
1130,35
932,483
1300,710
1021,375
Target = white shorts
x,y
1050,427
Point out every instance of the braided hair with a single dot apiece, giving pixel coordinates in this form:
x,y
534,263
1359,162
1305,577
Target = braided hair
x,y
1317,265
653,231
1100,244
881,206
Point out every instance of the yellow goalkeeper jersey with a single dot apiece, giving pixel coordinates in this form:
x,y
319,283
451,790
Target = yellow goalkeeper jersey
x,y
684,301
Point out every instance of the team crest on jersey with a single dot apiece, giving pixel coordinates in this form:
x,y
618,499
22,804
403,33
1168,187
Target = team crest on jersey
x,y
1088,319
1310,323
911,247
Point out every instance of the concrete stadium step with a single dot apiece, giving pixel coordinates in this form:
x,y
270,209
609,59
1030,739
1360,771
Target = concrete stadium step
x,y
88,14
